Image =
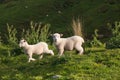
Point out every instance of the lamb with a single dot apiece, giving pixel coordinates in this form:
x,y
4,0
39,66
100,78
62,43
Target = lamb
x,y
39,48
68,43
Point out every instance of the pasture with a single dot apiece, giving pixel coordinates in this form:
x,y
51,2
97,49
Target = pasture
x,y
99,63
97,21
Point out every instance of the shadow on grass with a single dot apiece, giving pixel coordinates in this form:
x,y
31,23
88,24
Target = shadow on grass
x,y
94,50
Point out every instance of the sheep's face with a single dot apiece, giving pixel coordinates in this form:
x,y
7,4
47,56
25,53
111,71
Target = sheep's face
x,y
23,43
56,36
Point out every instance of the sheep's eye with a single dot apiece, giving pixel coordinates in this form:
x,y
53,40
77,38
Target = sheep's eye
x,y
24,41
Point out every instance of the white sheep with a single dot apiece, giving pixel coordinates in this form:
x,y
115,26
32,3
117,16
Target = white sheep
x,y
68,43
39,48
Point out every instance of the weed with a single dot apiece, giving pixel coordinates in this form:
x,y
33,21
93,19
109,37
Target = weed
x,y
95,42
11,35
37,32
114,41
114,29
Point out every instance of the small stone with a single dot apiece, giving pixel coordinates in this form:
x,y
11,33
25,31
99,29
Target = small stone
x,y
56,76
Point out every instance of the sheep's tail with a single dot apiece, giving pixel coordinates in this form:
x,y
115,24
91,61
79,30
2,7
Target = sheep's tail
x,y
82,40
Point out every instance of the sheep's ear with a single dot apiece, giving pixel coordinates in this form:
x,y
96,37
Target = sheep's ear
x,y
61,35
23,39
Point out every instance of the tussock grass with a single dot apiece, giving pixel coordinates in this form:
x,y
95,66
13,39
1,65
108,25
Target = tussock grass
x,y
77,27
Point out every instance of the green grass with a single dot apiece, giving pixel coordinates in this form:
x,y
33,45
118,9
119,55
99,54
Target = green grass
x,y
94,14
96,63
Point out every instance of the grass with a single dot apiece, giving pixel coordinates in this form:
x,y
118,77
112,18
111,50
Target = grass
x,y
95,14
95,64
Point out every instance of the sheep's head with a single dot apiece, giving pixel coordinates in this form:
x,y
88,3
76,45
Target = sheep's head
x,y
23,43
56,36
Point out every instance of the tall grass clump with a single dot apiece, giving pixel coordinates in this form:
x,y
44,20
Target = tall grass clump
x,y
77,27
96,42
11,37
37,32
11,40
115,29
45,32
114,41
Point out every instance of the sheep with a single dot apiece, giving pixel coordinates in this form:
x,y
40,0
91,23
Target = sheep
x,y
39,48
67,43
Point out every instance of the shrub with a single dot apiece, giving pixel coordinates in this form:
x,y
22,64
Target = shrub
x,y
12,41
11,35
95,42
114,41
45,32
37,32
115,29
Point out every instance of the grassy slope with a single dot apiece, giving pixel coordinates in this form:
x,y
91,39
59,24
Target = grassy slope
x,y
95,64
95,14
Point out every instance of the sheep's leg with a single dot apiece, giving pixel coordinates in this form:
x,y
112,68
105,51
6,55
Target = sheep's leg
x,y
41,56
61,52
49,52
30,58
79,48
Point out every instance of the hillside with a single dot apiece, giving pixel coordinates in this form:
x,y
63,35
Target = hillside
x,y
100,60
59,13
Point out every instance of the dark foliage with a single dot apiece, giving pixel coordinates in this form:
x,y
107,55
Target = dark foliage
x,y
114,42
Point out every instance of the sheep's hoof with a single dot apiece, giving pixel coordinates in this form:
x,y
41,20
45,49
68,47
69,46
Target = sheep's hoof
x,y
80,53
33,60
41,57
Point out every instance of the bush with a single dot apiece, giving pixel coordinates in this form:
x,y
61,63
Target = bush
x,y
37,32
11,36
114,41
95,42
